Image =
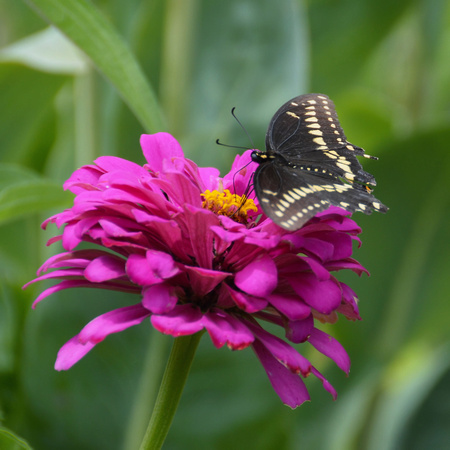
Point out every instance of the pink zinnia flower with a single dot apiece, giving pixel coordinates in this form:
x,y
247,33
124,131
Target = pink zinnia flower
x,y
178,237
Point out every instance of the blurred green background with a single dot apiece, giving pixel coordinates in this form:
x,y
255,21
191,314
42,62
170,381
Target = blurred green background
x,y
385,64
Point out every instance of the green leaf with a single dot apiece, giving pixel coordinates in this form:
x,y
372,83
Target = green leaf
x,y
87,28
28,96
405,386
22,193
9,441
49,51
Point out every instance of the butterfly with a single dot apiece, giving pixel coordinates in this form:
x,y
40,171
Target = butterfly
x,y
309,165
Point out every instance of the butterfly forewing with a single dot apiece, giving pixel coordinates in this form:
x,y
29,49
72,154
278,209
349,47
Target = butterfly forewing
x,y
300,121
309,165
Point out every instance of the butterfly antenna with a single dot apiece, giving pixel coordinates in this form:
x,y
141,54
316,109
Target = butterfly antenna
x,y
230,146
242,126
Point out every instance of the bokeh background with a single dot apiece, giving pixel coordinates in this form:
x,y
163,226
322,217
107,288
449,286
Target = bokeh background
x,y
385,64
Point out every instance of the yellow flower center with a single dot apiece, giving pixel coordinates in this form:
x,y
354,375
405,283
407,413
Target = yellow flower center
x,y
227,204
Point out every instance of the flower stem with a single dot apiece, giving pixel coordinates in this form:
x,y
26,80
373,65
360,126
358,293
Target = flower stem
x,y
174,379
150,380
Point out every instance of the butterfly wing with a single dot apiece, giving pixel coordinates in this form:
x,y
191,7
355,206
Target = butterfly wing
x,y
291,197
307,132
310,165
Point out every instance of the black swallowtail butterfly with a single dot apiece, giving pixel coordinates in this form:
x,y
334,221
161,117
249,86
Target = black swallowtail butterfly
x,y
309,165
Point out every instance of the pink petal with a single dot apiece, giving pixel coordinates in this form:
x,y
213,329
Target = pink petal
x,y
282,351
226,329
153,268
78,258
181,321
160,146
289,265
259,278
342,243
106,267
59,274
85,178
203,281
160,298
225,234
165,233
209,177
349,305
289,386
325,383
119,227
262,239
300,330
347,263
199,223
231,231
112,322
153,202
59,287
246,302
71,352
181,190
292,306
330,347
313,246
114,163
324,296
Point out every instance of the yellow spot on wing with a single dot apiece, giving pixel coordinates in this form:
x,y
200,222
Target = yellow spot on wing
x,y
332,154
319,141
290,113
288,198
299,192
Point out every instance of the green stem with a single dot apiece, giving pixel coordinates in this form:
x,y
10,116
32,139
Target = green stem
x,y
150,380
169,395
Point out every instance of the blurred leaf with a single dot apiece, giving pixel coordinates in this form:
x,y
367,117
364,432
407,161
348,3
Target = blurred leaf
x,y
87,406
428,423
404,387
10,173
22,194
345,35
87,28
49,51
27,98
9,441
